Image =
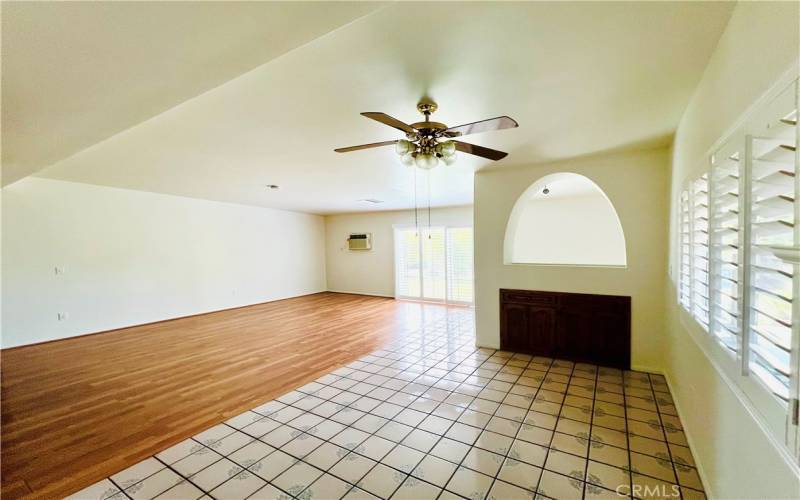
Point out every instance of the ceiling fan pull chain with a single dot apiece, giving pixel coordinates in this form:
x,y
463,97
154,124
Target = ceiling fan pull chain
x,y
416,208
429,204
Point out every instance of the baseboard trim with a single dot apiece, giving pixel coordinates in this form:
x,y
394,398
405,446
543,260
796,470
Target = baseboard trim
x,y
689,439
367,294
648,369
112,330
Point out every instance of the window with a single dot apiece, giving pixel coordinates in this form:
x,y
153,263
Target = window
x,y
732,221
434,264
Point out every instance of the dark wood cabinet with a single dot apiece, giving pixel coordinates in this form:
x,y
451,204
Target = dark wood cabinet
x,y
542,330
575,326
515,323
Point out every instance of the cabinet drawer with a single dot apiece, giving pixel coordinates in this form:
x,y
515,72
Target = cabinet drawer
x,y
524,297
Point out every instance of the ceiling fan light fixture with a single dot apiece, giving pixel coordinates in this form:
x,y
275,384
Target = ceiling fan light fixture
x,y
403,147
428,143
447,148
407,159
426,161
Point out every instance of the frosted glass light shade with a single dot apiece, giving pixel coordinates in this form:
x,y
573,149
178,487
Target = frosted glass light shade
x,y
407,159
426,161
448,148
403,146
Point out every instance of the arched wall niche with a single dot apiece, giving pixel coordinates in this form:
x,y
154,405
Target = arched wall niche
x,y
573,223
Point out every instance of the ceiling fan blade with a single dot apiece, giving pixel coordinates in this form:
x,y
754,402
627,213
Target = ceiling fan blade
x,y
498,123
391,121
472,149
365,146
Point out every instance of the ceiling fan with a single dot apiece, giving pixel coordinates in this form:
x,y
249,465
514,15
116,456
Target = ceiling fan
x,y
428,142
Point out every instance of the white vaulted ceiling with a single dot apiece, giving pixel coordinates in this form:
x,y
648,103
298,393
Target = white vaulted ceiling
x,y
75,73
578,77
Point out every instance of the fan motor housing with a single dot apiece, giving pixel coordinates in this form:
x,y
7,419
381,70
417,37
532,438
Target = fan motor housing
x,y
430,127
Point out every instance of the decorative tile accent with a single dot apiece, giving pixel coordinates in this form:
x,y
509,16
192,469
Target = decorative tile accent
x,y
431,416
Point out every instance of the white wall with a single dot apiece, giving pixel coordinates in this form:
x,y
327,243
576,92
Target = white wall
x,y
132,257
736,457
580,229
636,183
372,272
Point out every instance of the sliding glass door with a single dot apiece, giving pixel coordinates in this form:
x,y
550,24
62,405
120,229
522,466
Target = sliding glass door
x,y
434,264
460,278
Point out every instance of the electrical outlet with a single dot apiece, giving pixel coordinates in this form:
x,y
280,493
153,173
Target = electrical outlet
x,y
59,270
63,316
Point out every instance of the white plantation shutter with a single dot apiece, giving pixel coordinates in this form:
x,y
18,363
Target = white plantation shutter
x,y
460,279
685,276
771,283
407,263
700,267
434,270
726,246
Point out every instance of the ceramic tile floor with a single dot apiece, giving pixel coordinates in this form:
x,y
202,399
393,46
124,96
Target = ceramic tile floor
x,y
431,416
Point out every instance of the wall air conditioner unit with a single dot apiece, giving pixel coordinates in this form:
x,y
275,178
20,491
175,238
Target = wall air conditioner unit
x,y
359,241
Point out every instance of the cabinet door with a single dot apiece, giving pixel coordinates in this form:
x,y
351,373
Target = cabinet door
x,y
542,331
514,329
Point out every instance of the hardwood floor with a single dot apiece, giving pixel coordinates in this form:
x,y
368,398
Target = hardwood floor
x,y
77,410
